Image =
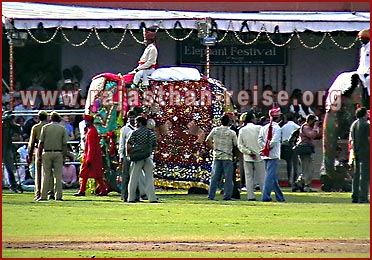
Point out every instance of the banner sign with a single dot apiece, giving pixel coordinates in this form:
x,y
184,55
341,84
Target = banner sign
x,y
192,52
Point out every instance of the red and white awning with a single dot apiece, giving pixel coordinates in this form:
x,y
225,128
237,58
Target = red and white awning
x,y
30,15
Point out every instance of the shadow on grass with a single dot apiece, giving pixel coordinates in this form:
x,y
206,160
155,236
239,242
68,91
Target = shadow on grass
x,y
290,197
174,196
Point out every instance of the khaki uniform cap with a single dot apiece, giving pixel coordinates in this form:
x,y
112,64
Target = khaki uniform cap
x,y
54,113
42,112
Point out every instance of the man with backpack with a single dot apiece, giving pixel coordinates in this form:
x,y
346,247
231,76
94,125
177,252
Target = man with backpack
x,y
124,163
141,137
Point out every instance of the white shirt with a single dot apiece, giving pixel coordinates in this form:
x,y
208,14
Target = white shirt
x,y
82,134
274,143
363,68
248,142
287,130
149,57
125,132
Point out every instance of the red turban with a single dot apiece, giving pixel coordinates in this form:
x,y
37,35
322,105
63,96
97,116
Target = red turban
x,y
88,118
364,34
275,112
150,35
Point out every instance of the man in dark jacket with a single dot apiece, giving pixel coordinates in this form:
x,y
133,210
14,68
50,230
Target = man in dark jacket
x,y
142,136
11,133
359,138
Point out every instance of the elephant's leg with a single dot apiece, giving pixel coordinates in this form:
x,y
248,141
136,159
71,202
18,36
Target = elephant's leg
x,y
330,136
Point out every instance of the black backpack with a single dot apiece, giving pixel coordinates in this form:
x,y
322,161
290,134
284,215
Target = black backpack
x,y
294,136
287,146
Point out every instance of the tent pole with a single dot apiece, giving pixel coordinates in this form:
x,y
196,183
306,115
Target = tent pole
x,y
11,72
208,61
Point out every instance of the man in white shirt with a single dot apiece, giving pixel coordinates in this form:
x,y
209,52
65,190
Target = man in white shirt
x,y
147,62
82,126
287,153
254,167
124,163
364,59
269,140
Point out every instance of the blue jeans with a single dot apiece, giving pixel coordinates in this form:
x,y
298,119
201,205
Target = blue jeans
x,y
271,182
221,168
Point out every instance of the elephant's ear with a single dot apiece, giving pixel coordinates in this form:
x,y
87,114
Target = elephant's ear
x,y
354,81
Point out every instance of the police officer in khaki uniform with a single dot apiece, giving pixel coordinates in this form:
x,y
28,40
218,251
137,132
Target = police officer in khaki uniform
x,y
52,149
31,148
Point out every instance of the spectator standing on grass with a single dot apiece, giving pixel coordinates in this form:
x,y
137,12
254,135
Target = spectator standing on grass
x,y
11,132
253,163
124,163
141,136
52,148
308,132
32,152
269,140
359,138
287,152
222,140
237,156
92,165
243,123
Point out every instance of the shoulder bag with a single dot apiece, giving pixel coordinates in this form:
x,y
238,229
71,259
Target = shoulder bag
x,y
304,148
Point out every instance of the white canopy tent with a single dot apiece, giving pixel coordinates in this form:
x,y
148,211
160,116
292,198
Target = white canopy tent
x,y
29,15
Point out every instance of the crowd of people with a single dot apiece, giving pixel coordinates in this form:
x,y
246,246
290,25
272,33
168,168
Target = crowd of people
x,y
253,141
242,139
260,143
263,145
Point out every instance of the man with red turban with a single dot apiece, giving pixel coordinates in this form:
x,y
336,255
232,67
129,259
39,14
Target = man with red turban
x,y
92,165
364,59
147,62
269,140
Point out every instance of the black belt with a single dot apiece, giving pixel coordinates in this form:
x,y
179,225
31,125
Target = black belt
x,y
53,151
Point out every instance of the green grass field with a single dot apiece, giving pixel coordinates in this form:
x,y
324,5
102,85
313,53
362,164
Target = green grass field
x,y
59,229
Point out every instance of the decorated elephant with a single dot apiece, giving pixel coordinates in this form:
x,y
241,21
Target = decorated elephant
x,y
186,106
345,95
183,106
105,101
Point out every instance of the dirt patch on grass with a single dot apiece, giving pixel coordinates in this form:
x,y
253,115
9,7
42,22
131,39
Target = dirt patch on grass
x,y
291,246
